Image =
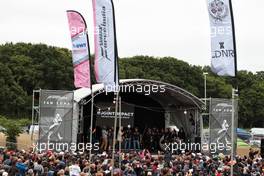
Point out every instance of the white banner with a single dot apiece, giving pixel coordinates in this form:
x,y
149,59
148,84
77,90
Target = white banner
x,y
222,38
106,69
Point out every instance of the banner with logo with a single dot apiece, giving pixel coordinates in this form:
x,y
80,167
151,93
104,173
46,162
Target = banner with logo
x,y
220,126
223,59
80,49
106,68
105,115
55,121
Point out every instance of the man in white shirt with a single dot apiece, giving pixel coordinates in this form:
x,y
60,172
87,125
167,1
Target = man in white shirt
x,y
75,169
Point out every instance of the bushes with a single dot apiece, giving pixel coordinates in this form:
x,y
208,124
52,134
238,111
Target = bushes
x,y
12,128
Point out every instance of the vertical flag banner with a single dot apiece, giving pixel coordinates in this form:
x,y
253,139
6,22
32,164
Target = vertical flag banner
x,y
106,67
80,49
220,126
223,58
56,111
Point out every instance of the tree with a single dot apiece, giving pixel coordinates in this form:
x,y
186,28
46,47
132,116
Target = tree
x,y
25,67
251,103
12,96
12,129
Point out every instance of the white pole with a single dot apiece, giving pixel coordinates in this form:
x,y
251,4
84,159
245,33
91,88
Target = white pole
x,y
205,73
114,136
91,129
232,131
120,123
32,116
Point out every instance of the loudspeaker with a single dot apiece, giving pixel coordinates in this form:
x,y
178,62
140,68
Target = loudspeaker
x,y
197,140
80,138
262,148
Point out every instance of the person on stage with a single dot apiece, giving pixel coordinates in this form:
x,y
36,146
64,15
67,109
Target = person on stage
x,y
136,139
104,139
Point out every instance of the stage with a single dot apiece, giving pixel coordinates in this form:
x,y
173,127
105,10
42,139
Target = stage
x,y
145,104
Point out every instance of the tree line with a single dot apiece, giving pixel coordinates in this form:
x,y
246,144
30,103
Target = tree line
x,y
25,67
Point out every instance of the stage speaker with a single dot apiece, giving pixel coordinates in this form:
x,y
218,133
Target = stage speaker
x,y
197,140
262,148
80,138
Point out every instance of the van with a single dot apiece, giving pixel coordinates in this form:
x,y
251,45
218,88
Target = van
x,y
256,135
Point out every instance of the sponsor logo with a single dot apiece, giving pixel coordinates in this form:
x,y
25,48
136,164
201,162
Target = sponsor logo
x,y
218,10
79,45
57,100
222,52
222,45
103,34
223,107
110,114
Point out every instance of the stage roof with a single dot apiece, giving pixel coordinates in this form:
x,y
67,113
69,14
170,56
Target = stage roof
x,y
173,95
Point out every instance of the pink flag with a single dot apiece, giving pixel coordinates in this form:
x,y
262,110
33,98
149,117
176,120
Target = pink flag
x,y
80,49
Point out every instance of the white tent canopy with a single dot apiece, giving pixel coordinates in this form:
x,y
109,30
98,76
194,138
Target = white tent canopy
x,y
172,92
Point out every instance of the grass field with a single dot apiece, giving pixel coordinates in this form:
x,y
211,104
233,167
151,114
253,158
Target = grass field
x,y
23,141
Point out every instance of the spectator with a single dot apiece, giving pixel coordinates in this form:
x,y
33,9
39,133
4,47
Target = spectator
x,y
135,163
21,167
75,169
38,168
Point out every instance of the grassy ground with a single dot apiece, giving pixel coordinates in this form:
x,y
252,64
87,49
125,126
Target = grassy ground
x,y
23,141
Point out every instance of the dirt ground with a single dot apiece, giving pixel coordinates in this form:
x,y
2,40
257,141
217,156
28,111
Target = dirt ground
x,y
245,150
24,142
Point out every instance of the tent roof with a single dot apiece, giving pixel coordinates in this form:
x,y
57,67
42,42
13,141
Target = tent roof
x,y
173,95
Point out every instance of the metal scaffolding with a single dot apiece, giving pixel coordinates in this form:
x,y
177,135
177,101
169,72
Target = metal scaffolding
x,y
35,114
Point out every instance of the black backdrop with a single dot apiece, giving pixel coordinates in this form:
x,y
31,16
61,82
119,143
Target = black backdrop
x,y
148,113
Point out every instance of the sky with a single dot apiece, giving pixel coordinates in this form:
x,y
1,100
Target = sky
x,y
159,28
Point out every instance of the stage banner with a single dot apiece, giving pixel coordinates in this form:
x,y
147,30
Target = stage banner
x,y
220,123
223,59
55,121
106,114
106,67
80,49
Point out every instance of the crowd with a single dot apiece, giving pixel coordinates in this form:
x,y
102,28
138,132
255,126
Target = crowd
x,y
132,139
134,163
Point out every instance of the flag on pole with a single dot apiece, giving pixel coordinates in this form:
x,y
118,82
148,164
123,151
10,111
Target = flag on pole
x,y
223,49
80,49
105,66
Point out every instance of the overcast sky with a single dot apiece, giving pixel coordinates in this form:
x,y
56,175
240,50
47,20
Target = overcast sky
x,y
177,28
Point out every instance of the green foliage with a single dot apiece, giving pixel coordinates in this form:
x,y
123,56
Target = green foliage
x,y
25,67
12,128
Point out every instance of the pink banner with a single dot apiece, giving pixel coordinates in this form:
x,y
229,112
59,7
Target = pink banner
x,y
80,49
